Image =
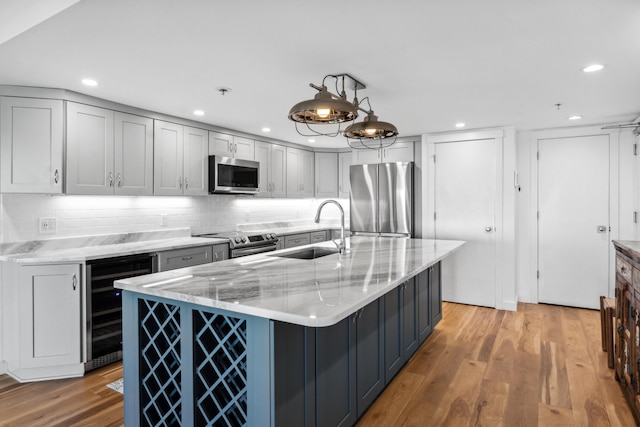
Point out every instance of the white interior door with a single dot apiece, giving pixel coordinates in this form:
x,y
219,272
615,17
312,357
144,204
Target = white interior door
x,y
573,223
465,197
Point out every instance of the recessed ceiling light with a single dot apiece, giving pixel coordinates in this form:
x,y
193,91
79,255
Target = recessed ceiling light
x,y
198,113
460,125
592,68
575,117
89,82
266,129
312,140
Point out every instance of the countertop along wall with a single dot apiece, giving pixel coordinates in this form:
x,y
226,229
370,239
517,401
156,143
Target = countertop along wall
x,y
92,215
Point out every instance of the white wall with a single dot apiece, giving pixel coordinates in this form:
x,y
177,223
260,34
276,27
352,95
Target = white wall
x,y
91,215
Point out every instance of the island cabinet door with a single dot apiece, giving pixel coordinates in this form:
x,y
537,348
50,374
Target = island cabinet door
x,y
409,318
335,374
393,354
294,387
424,305
369,354
435,298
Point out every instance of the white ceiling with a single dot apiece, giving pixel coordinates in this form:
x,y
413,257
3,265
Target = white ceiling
x,y
427,64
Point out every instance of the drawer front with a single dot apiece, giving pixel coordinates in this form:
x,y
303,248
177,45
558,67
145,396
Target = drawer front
x,y
318,236
179,258
623,269
294,240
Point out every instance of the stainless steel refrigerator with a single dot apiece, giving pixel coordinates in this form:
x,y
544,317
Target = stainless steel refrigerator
x,y
382,199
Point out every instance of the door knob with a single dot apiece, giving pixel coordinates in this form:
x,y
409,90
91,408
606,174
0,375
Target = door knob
x,y
488,229
602,229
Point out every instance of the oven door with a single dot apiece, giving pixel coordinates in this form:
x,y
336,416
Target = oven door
x,y
233,176
236,253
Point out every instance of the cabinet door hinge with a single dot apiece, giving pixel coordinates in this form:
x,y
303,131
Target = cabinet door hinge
x,y
635,149
538,215
537,274
434,216
635,217
537,155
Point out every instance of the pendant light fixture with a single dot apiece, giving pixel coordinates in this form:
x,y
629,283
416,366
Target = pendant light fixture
x,y
327,108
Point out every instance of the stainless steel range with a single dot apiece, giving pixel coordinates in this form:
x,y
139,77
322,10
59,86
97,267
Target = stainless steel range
x,y
243,243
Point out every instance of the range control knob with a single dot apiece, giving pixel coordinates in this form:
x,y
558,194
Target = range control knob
x,y
238,240
245,239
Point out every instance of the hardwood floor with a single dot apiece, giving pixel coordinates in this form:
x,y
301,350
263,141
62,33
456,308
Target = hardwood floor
x,y
540,366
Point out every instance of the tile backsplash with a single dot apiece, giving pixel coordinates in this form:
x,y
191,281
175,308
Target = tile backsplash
x,y
91,215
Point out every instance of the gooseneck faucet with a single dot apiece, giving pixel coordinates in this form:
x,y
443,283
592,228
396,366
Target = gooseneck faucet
x,y
341,246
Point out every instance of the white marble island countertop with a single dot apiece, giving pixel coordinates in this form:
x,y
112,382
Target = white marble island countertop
x,y
319,292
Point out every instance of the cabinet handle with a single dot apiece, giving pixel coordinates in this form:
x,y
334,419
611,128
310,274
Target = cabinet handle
x,y
235,148
216,256
56,176
74,281
186,258
229,146
180,182
110,179
119,179
186,182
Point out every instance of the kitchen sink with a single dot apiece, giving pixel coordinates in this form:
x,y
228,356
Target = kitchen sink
x,y
308,253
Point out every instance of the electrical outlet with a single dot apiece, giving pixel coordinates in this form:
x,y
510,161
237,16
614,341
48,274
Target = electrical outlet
x,y
47,225
163,220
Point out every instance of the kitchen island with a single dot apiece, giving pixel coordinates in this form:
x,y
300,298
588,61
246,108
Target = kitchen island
x,y
273,340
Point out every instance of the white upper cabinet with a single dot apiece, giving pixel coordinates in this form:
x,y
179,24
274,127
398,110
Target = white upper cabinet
x,y
344,185
133,155
300,173
108,152
272,159
180,160
90,150
223,144
398,152
326,169
196,162
31,145
167,159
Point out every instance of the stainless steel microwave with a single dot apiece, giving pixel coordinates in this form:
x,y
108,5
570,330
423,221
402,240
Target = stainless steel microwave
x,y
233,176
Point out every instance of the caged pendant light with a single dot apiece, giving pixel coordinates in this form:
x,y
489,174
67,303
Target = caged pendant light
x,y
328,108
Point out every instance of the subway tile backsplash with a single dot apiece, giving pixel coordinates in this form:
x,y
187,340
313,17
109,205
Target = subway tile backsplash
x,y
91,215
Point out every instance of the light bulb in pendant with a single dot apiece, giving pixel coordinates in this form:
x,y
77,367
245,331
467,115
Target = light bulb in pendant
x,y
323,112
370,131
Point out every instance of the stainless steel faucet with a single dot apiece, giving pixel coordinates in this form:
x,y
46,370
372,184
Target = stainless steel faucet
x,y
341,246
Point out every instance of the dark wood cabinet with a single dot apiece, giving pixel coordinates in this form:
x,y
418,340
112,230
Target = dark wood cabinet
x,y
627,338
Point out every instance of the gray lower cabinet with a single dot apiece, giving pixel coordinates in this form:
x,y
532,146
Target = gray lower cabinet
x,y
293,240
330,376
179,258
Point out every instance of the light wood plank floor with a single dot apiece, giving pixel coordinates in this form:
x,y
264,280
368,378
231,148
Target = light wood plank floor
x,y
540,366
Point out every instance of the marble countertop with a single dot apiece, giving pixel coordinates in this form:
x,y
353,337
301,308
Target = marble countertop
x,y
99,251
319,292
